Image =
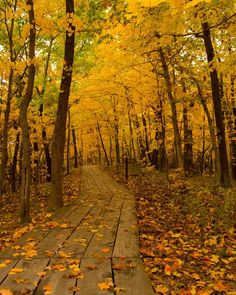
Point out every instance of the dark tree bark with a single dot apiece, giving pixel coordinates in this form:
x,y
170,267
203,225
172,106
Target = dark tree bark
x,y
68,145
76,165
47,154
215,87
26,159
14,163
173,108
4,153
102,143
58,143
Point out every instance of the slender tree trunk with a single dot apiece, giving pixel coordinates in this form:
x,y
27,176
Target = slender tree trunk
x,y
14,163
4,154
224,164
26,160
173,108
58,144
76,165
47,154
102,143
68,145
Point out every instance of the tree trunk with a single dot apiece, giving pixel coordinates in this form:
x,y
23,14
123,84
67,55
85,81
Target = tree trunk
x,y
4,154
26,160
173,109
14,163
68,145
47,154
58,144
102,143
224,164
76,165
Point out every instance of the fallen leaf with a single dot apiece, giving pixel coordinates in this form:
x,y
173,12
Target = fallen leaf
x,y
220,287
91,266
74,289
118,266
60,267
15,270
118,289
104,286
106,250
5,291
47,289
41,274
161,289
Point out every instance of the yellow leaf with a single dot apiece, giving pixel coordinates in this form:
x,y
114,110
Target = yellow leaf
x,y
47,289
117,289
41,274
105,285
15,270
105,250
219,286
195,276
60,267
161,289
215,258
5,263
5,291
74,289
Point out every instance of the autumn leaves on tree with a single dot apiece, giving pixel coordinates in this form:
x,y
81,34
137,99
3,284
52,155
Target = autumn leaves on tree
x,y
148,81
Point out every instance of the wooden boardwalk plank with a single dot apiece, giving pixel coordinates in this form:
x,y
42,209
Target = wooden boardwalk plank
x,y
26,281
132,277
95,272
127,241
60,278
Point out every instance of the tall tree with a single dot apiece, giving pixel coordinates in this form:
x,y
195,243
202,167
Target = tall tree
x,y
26,159
215,87
58,143
4,155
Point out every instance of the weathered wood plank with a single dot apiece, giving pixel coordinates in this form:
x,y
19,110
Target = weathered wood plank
x,y
5,266
95,272
127,240
53,242
60,277
132,277
25,282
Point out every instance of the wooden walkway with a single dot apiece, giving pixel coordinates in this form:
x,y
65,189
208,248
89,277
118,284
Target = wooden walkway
x,y
89,248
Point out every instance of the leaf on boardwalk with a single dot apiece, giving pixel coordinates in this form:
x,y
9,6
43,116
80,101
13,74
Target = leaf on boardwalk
x,y
91,266
106,250
15,270
118,289
5,263
65,225
21,281
5,291
41,274
104,286
64,255
74,289
118,266
60,267
47,289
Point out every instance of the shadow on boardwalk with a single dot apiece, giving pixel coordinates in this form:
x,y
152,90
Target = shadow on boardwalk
x,y
89,248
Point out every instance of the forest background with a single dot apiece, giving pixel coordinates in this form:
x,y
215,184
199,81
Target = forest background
x,y
149,84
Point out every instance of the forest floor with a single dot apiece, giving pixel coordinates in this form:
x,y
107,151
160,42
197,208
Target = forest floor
x,y
186,227
10,229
